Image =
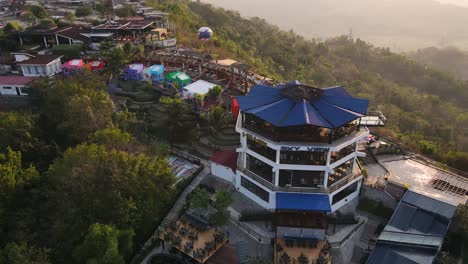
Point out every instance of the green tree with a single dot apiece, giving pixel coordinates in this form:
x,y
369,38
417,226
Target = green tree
x,y
303,259
72,109
47,24
101,245
12,27
70,16
83,11
29,18
38,11
125,11
21,253
172,120
222,200
12,174
16,131
115,60
200,198
217,119
133,51
219,218
100,8
93,184
114,138
215,92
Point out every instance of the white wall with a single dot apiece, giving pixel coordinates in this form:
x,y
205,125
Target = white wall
x,y
12,91
42,70
348,198
222,172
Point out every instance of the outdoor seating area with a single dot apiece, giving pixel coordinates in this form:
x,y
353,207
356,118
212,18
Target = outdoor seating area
x,y
194,237
301,250
182,168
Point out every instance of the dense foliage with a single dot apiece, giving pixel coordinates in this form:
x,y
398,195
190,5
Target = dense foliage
x,y
449,59
74,187
426,108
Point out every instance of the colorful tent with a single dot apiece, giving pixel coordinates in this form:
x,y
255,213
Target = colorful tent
x,y
155,73
94,65
178,77
199,87
133,72
72,65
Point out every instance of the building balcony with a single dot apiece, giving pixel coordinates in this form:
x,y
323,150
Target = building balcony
x,y
356,173
345,180
305,133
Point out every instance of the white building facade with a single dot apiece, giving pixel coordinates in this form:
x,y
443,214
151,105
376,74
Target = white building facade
x,y
42,65
299,147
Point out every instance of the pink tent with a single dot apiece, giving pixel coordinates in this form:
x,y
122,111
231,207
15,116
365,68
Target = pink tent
x,y
72,65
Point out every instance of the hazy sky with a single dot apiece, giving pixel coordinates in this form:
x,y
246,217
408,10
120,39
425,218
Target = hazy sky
x,y
456,2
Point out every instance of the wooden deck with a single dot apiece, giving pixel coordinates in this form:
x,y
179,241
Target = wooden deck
x,y
294,252
203,237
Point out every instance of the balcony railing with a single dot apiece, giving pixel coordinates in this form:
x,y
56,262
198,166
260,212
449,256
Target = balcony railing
x,y
345,180
272,187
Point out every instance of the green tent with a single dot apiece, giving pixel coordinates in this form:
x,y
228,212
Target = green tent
x,y
178,77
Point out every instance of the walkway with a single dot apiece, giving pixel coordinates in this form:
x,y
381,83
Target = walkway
x,y
173,215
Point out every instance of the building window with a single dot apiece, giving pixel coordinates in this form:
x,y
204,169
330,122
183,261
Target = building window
x,y
255,189
28,69
260,168
301,178
24,90
261,148
337,155
36,70
303,157
341,171
344,193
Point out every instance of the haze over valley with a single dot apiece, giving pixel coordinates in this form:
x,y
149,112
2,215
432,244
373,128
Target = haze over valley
x,y
402,25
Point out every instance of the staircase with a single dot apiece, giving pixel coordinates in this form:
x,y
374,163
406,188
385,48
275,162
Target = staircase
x,y
369,231
358,254
241,250
181,201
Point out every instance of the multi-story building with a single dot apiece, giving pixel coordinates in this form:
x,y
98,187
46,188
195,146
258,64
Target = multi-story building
x,y
299,147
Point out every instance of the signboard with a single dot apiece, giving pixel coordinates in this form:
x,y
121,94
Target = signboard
x,y
307,149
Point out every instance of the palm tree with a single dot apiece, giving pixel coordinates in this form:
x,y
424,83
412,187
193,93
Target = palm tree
x,y
285,259
173,120
303,259
217,119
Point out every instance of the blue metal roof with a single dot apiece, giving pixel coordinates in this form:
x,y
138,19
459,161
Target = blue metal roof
x,y
295,104
303,201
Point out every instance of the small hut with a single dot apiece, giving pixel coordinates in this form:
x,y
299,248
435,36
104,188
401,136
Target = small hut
x,y
70,66
155,73
181,78
94,65
133,72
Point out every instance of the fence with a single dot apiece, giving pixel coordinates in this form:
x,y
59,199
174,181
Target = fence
x,y
348,236
260,238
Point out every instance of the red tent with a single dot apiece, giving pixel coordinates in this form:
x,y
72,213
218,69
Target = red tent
x,y
235,108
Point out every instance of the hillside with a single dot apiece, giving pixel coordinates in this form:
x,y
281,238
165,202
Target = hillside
x,y
449,59
401,25
426,108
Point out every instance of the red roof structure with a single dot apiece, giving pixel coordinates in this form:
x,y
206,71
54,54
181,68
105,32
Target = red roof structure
x,y
227,158
15,80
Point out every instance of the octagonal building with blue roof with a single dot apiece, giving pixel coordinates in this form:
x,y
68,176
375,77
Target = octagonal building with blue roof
x,y
299,147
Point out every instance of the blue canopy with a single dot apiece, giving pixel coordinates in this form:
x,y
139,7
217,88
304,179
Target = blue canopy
x,y
303,201
295,104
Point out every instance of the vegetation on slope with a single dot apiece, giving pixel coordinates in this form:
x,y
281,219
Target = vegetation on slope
x,y
426,108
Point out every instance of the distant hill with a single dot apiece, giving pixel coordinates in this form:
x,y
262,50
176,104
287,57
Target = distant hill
x,y
401,25
449,59
426,108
